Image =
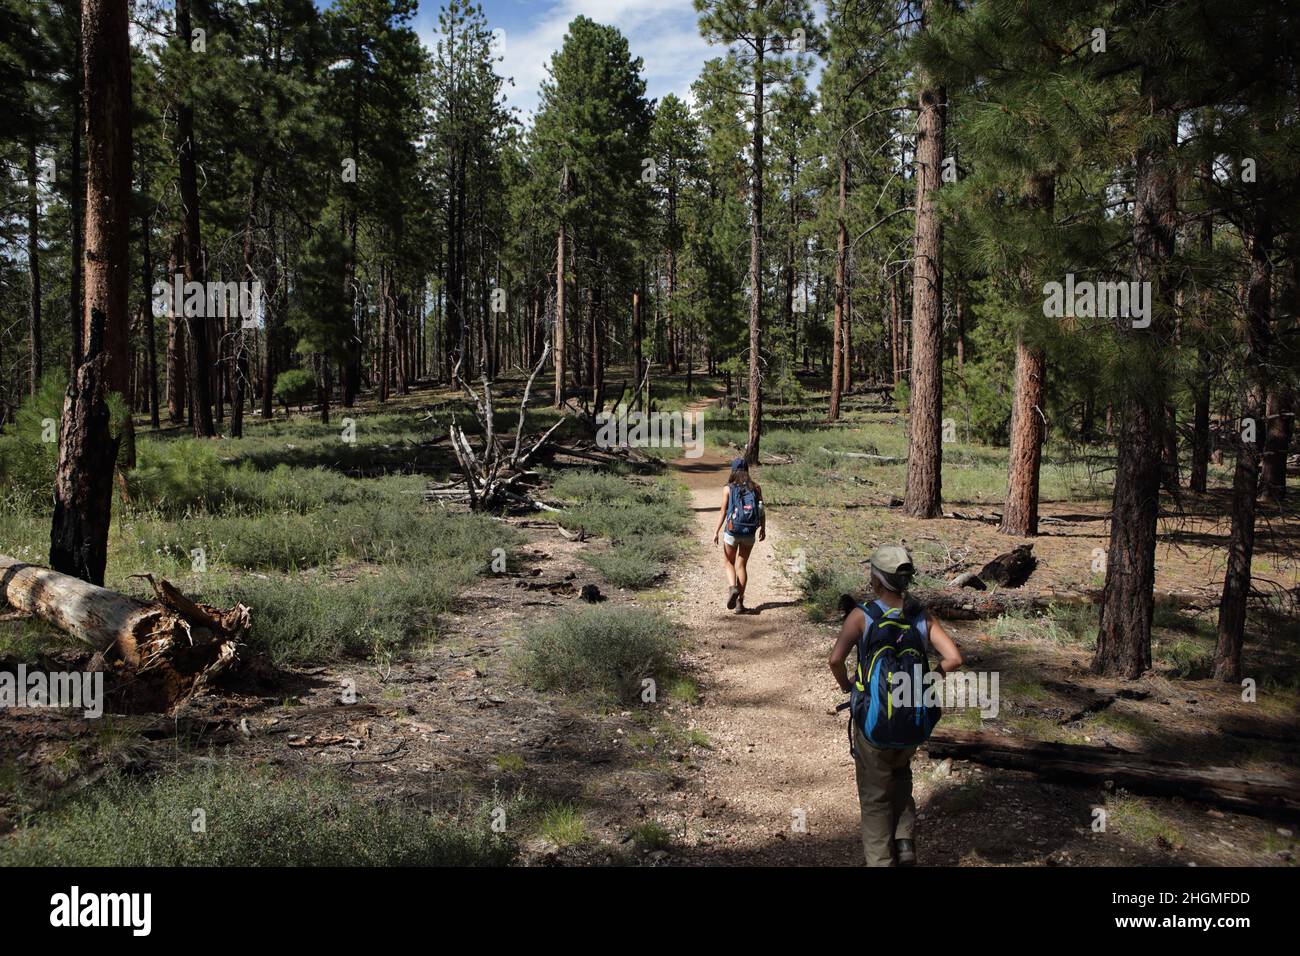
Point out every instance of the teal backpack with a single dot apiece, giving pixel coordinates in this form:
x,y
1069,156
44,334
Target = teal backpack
x,y
891,648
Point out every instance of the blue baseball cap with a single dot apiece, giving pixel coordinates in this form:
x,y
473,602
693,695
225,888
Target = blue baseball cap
x,y
739,463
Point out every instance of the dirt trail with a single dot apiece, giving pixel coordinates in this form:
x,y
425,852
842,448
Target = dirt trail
x,y
780,757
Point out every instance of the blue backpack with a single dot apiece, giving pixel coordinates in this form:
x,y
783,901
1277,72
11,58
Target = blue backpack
x,y
890,648
742,511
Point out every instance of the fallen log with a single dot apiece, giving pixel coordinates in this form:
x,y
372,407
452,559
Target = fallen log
x,y
1245,791
172,647
884,459
967,604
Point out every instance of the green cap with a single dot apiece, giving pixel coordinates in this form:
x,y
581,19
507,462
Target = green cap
x,y
892,559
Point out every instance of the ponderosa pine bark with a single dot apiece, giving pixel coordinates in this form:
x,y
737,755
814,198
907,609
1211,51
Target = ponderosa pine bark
x,y
559,298
76,285
33,267
83,483
1258,236
756,266
923,496
1200,468
1124,635
1028,428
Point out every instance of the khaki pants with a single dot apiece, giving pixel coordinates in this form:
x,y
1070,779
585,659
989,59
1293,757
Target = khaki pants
x,y
885,793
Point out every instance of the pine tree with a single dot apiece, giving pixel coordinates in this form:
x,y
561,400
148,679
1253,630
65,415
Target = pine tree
x,y
760,33
87,447
591,136
923,495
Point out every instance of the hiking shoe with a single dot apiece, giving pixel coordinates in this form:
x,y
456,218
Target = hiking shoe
x,y
733,597
906,852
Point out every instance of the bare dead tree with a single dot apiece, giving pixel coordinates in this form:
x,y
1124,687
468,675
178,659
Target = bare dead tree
x,y
497,474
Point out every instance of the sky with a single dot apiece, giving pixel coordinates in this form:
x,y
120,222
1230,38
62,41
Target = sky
x,y
663,33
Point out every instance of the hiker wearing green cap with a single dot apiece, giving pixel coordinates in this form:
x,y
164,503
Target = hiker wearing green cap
x,y
892,634
745,522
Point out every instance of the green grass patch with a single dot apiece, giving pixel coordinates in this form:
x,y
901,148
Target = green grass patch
x,y
563,825
650,836
1059,624
1189,657
822,586
684,691
1139,821
248,817
510,763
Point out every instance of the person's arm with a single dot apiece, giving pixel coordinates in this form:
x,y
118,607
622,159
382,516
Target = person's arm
x,y
949,656
722,513
850,631
762,514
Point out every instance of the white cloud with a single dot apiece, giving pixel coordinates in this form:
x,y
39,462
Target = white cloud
x,y
662,32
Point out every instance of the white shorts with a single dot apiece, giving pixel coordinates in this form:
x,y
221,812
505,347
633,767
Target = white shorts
x,y
731,540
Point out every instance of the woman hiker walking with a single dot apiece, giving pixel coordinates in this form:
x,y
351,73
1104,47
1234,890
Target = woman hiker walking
x,y
745,522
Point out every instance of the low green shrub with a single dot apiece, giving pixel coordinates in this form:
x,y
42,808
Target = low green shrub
x,y
604,650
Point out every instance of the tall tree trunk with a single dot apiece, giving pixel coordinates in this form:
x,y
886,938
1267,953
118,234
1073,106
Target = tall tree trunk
x,y
923,496
83,484
151,345
841,253
756,269
76,290
1279,410
1280,406
670,312
846,343
241,353
1258,237
1020,514
638,335
271,334
33,267
895,339
559,316
385,331
200,371
177,350
959,310
1124,636
1199,477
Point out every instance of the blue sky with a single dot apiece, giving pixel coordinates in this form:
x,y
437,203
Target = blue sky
x,y
663,33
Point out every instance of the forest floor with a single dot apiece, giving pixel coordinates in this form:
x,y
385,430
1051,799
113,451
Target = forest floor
x,y
753,766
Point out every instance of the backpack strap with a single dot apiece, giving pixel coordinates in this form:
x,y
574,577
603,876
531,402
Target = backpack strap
x,y
872,612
